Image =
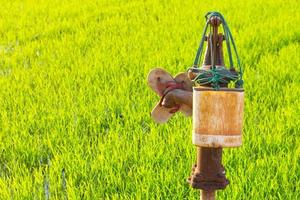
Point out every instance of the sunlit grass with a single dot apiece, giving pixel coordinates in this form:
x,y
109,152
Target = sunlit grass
x,y
74,103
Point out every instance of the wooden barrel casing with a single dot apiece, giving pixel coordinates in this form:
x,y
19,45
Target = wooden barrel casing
x,y
217,117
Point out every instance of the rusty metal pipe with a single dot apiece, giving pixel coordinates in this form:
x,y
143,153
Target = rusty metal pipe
x,y
207,195
209,174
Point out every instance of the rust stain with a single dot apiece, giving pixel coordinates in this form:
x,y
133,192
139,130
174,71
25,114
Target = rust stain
x,y
218,112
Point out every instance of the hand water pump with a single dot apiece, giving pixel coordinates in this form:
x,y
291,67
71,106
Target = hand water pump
x,y
217,109
214,94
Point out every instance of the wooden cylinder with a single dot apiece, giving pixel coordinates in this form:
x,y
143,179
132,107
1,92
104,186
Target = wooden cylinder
x,y
217,117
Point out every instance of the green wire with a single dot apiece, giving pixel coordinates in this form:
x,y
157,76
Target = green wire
x,y
216,76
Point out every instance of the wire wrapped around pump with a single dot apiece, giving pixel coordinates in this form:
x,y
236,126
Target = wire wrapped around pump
x,y
217,76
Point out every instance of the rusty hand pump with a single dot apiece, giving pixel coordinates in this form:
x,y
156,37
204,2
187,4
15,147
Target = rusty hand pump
x,y
207,93
217,109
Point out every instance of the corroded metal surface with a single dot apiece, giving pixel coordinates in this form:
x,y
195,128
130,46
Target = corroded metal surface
x,y
207,195
217,117
208,174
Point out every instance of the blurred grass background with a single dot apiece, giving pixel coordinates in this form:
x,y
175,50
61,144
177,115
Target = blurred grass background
x,y
74,117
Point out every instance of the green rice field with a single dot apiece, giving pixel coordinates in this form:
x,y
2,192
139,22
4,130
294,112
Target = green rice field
x,y
75,105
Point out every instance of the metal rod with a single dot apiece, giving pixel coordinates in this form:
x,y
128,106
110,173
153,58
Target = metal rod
x,y
215,40
207,195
